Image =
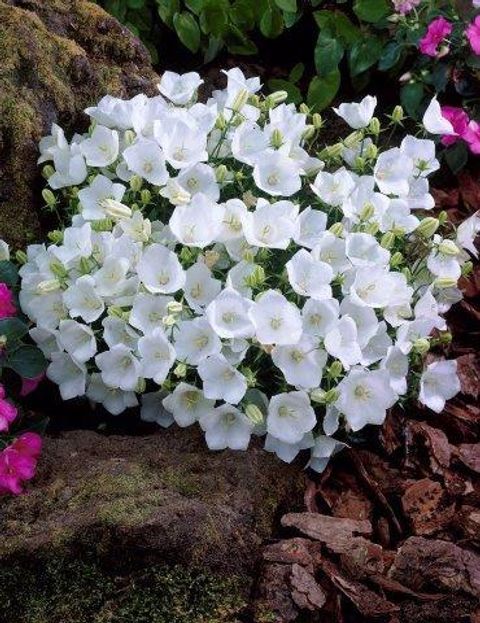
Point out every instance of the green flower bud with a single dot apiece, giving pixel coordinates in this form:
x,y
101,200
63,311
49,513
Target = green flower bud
x,y
445,282
318,396
367,212
335,369
427,227
180,371
240,100
448,247
276,139
55,236
21,257
49,197
309,132
254,100
221,173
129,137
58,270
85,266
170,320
372,228
102,225
136,183
174,307
336,229
388,240
467,268
115,312
407,272
303,108
398,115
421,346
331,396
443,217
141,386
145,196
317,121
374,126
371,151
221,122
254,414
277,97
396,259
445,337
48,171
48,286
353,139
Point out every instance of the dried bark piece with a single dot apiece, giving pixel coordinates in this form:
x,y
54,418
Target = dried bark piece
x,y
273,599
427,506
367,602
468,370
337,533
421,436
440,564
289,551
306,593
469,455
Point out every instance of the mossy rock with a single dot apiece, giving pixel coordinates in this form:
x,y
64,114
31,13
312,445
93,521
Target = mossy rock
x,y
127,512
56,58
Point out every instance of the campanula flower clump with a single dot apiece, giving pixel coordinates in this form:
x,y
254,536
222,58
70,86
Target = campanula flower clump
x,y
223,266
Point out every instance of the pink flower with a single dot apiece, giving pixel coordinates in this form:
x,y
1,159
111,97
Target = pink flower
x,y
30,385
15,467
7,307
405,6
437,30
473,35
472,137
28,444
7,412
459,120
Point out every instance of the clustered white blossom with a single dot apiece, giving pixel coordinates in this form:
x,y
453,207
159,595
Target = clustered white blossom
x,y
219,273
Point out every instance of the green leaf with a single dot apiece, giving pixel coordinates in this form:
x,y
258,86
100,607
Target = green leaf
x,y
294,93
187,30
322,90
213,48
135,4
390,56
287,5
167,9
371,10
328,54
411,97
457,156
195,6
8,273
364,54
296,72
242,14
27,361
239,43
13,328
271,24
214,18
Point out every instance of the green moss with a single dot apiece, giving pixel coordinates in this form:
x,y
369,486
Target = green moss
x,y
57,590
180,479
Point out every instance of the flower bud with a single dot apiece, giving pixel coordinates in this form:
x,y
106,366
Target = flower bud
x,y
445,337
58,270
136,183
145,196
55,236
116,210
254,414
85,267
309,132
304,109
277,97
388,240
180,371
406,77
211,258
221,122
331,396
467,268
276,139
317,121
359,163
353,139
48,286
249,199
115,312
336,229
371,151
221,173
448,247
105,224
49,197
407,273
21,257
254,100
374,126
398,114
141,386
335,369
427,227
129,137
318,395
443,217
169,321
396,259
367,212
421,346
240,100
445,282
174,307
48,171
372,228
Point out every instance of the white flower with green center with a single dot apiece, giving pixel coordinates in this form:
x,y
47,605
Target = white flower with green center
x,y
200,286
187,404
199,178
148,311
438,384
119,368
113,399
156,355
69,374
364,397
333,188
92,197
277,175
160,270
271,225
392,172
302,363
81,299
319,316
341,342
118,331
195,340
183,144
101,149
276,320
198,223
111,277
290,416
221,381
358,115
146,159
228,315
78,340
311,223
308,276
180,89
226,427
232,220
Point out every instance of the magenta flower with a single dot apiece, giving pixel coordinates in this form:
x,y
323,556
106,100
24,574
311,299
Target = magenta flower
x,y
28,444
437,30
15,467
7,412
7,307
472,137
459,120
473,35
30,385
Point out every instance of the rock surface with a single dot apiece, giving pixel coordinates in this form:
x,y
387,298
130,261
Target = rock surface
x,y
56,58
135,510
